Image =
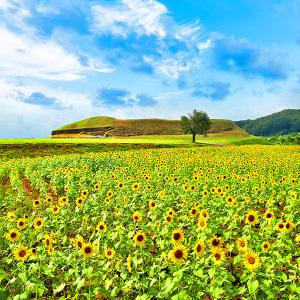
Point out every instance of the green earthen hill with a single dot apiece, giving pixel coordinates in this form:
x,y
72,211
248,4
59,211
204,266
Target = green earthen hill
x,y
108,126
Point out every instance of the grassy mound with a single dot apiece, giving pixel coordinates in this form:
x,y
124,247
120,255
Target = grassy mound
x,y
137,127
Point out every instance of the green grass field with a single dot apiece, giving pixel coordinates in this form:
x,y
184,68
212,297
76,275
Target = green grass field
x,y
149,139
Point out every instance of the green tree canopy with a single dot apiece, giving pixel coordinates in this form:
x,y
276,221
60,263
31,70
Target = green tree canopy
x,y
196,122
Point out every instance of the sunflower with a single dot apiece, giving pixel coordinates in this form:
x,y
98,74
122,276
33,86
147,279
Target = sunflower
x,y
55,209
13,235
21,253
33,252
49,199
84,193
202,224
87,250
289,225
36,203
205,193
178,254
21,223
139,238
63,201
101,227
241,244
193,212
230,200
136,186
47,240
79,241
38,223
109,253
97,186
177,236
252,218
269,215
280,226
79,201
169,219
171,212
120,185
110,194
199,248
265,246
152,204
50,250
11,215
204,214
136,216
218,256
215,243
251,260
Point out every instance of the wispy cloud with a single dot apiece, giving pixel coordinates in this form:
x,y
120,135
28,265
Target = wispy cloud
x,y
240,56
143,35
122,98
213,90
23,56
38,98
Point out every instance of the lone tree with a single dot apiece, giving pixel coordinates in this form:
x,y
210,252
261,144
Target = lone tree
x,y
195,123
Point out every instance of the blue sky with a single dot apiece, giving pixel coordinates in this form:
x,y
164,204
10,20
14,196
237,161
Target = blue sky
x,y
62,61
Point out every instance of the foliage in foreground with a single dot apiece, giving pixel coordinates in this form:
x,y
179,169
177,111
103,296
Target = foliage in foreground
x,y
210,223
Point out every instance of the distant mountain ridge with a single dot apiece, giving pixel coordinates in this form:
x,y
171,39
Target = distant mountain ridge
x,y
284,122
108,126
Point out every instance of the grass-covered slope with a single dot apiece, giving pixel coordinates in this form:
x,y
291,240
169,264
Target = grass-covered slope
x,y
283,122
138,127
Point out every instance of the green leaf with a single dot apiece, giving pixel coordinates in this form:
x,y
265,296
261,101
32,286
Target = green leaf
x,y
3,275
252,286
59,288
181,296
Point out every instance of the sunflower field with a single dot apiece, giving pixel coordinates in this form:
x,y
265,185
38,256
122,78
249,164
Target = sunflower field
x,y
182,223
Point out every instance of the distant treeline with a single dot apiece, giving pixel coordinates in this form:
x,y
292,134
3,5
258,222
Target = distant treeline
x,y
293,139
284,122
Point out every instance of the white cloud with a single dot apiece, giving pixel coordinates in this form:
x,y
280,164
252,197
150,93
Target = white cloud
x,y
23,56
144,17
4,4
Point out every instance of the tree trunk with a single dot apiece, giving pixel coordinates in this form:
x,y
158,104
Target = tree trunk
x,y
194,137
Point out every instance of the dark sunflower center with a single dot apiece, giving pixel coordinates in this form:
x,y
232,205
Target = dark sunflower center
x,y
101,227
22,253
153,204
178,253
168,219
140,238
79,201
217,256
251,260
176,236
251,218
215,242
88,250
79,244
287,226
242,244
36,202
280,225
204,214
265,246
109,253
38,223
193,211
269,215
21,223
55,208
198,248
13,235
